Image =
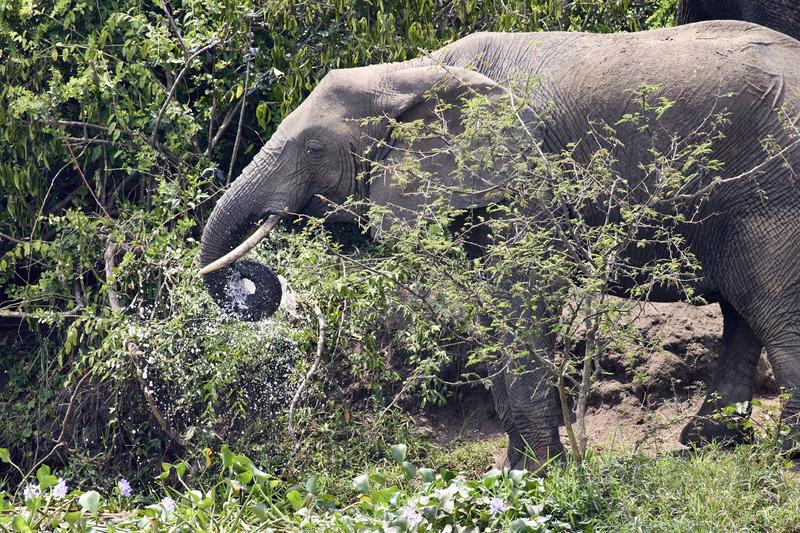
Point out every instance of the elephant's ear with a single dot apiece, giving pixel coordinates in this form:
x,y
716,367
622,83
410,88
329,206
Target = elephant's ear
x,y
419,169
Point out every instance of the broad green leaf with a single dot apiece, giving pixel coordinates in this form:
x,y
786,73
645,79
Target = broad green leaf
x,y
46,480
19,524
361,484
311,484
295,498
227,456
409,469
261,511
427,474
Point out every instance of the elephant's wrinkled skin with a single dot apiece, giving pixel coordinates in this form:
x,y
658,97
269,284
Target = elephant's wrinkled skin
x,y
748,242
780,15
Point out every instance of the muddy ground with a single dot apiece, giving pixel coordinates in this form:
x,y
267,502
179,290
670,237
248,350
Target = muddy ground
x,y
638,404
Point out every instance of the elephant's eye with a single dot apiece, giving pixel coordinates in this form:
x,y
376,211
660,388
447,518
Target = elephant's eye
x,y
313,148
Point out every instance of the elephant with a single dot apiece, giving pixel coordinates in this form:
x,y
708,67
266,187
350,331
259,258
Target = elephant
x,y
747,240
780,15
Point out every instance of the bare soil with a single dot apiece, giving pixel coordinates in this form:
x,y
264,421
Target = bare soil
x,y
642,400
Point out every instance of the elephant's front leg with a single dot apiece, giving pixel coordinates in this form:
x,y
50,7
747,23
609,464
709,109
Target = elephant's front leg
x,y
732,382
783,350
535,414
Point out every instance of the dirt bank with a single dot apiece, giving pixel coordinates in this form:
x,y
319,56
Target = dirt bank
x,y
642,400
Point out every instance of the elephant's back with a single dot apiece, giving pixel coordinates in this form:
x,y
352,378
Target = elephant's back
x,y
690,60
741,69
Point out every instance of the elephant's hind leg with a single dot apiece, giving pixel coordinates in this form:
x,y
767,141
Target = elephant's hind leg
x,y
783,351
535,413
732,382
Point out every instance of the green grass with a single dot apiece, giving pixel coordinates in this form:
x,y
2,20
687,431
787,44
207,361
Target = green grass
x,y
747,489
470,458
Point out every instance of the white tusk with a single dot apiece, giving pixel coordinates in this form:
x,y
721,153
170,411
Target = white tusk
x,y
238,252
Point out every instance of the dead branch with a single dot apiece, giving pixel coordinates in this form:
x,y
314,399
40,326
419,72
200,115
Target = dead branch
x,y
85,181
241,122
76,292
311,371
151,401
164,6
59,442
10,238
75,124
87,140
113,295
228,118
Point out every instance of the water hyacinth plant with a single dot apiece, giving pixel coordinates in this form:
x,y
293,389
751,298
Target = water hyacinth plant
x,y
124,488
239,494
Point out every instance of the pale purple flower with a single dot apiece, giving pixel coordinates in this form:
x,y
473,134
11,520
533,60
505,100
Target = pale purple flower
x,y
60,490
412,516
124,488
497,506
31,491
168,504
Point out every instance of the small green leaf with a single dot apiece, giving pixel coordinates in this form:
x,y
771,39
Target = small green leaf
x,y
45,479
260,510
19,524
5,455
399,452
409,469
5,505
227,456
245,477
311,484
90,501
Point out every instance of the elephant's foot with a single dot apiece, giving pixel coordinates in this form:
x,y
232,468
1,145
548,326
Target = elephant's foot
x,y
533,460
790,443
701,431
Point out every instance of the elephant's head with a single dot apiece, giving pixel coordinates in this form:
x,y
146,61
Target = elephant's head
x,y
313,160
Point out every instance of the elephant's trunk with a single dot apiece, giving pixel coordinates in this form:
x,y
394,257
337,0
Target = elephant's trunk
x,y
244,288
240,251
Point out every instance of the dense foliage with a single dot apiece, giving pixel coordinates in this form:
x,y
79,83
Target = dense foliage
x,y
122,122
